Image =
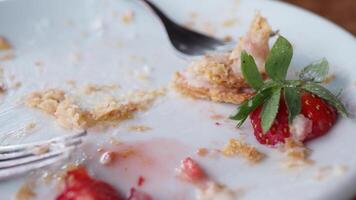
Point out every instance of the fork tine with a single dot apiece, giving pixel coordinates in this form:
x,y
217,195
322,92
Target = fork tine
x,y
32,159
30,151
20,147
10,172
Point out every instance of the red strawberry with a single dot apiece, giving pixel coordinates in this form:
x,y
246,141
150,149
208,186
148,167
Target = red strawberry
x,y
322,115
302,109
191,171
80,186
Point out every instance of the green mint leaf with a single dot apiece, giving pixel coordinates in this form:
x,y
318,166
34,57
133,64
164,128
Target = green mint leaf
x,y
316,71
270,110
327,95
279,58
250,71
293,102
249,105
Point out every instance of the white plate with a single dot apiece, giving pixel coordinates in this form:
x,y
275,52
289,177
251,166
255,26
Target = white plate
x,y
53,31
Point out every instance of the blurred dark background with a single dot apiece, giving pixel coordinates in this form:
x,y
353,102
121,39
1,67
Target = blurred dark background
x,y
342,12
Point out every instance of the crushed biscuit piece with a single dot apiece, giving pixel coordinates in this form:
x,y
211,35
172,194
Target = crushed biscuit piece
x,y
139,128
127,153
297,154
4,44
229,23
72,83
128,16
236,147
92,88
30,126
46,101
227,38
333,170
330,78
215,190
26,192
71,115
202,152
217,117
7,56
38,150
2,81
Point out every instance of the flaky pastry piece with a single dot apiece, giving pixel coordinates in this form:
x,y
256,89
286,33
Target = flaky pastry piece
x,y
217,77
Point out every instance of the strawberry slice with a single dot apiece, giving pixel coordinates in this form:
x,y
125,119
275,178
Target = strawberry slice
x,y
191,171
322,116
80,186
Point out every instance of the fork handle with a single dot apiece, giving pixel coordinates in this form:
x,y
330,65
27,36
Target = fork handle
x,y
165,20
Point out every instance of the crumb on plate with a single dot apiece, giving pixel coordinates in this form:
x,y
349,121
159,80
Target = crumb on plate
x,y
128,16
237,147
217,117
69,114
7,56
26,192
330,78
229,23
215,191
4,44
332,170
297,154
139,128
92,88
202,152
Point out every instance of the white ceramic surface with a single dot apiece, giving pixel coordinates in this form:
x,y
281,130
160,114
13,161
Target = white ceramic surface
x,y
53,31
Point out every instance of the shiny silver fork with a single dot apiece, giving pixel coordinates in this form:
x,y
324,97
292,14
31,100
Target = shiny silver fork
x,y
18,159
187,41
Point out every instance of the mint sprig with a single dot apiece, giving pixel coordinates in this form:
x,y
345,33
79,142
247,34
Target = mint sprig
x,y
250,71
268,92
270,110
279,58
293,102
315,72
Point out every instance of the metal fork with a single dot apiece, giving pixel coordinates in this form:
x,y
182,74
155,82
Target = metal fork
x,y
187,41
18,159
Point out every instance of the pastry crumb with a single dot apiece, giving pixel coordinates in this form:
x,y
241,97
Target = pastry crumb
x,y
330,78
202,152
30,126
139,128
215,191
227,38
217,117
236,147
229,23
92,88
38,150
128,16
7,56
69,114
71,83
297,154
4,44
333,170
26,192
